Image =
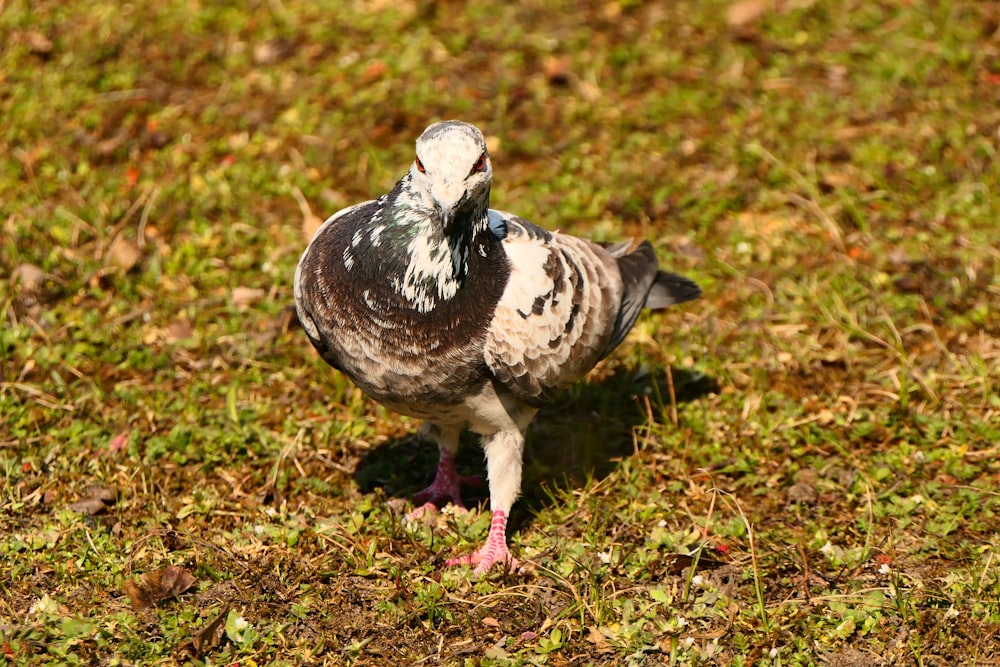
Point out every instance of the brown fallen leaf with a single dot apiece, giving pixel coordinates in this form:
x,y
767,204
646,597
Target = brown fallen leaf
x,y
207,638
175,332
802,492
38,43
89,506
597,638
557,70
310,221
676,563
374,71
272,51
28,278
243,297
124,254
744,13
158,585
95,500
105,494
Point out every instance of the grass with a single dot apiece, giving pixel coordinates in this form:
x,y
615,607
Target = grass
x,y
798,469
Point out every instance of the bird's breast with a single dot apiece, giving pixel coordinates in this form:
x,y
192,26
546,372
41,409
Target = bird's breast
x,y
405,354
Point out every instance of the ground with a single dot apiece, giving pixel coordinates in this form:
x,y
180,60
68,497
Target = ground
x,y
800,468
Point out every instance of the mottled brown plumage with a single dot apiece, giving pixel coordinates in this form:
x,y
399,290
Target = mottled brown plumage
x,y
443,309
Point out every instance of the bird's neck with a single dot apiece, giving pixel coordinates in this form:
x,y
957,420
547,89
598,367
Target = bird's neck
x,y
432,265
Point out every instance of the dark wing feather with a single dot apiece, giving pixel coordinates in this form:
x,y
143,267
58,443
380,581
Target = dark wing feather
x,y
670,289
638,271
645,287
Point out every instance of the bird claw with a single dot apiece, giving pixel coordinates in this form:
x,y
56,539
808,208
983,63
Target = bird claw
x,y
493,552
485,558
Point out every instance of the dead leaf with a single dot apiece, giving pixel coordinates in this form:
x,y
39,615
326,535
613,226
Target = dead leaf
x,y
397,506
677,563
556,70
899,257
124,254
597,638
243,297
375,70
105,494
106,147
491,622
172,333
208,637
178,331
742,14
802,492
272,51
95,500
310,221
29,278
838,178
158,585
89,506
38,43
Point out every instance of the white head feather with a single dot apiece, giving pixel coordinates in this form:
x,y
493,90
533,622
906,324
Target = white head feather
x,y
452,169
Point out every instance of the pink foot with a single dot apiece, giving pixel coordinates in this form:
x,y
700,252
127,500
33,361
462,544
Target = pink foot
x,y
494,551
445,488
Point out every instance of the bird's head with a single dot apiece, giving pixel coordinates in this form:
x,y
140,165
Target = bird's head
x,y
453,171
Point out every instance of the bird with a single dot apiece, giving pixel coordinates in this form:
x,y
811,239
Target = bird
x,y
443,309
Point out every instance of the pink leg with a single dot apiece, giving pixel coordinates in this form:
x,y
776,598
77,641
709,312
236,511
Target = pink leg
x,y
494,551
445,488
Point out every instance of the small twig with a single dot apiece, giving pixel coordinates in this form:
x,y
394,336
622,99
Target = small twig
x,y
140,234
673,396
42,398
285,451
109,239
805,573
986,569
869,534
758,585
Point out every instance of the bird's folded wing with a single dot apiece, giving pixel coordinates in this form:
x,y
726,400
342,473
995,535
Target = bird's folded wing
x,y
557,314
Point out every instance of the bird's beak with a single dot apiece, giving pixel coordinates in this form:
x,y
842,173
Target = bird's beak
x,y
447,199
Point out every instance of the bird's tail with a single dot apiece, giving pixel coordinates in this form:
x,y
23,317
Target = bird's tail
x,y
645,286
669,289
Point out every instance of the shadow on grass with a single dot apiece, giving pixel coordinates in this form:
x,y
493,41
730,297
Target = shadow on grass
x,y
580,435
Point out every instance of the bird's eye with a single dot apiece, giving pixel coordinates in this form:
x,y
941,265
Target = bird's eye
x,y
480,163
420,166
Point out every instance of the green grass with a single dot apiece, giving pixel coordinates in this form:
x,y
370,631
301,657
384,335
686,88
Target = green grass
x,y
798,469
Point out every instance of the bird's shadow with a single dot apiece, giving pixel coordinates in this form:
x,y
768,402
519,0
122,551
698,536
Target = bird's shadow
x,y
579,436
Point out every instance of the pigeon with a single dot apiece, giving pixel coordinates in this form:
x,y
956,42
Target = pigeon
x,y
443,309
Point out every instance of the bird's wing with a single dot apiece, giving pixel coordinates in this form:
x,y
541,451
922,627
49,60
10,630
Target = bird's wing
x,y
560,310
320,268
